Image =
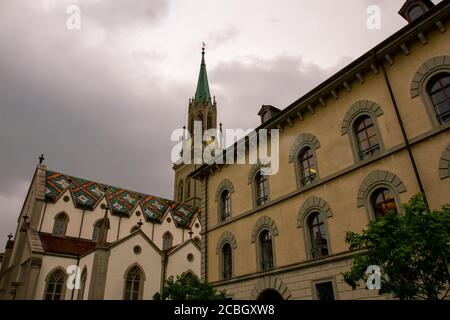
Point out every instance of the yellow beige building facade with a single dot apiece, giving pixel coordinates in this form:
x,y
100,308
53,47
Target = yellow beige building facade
x,y
364,141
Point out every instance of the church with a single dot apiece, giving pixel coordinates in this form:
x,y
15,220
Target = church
x,y
356,146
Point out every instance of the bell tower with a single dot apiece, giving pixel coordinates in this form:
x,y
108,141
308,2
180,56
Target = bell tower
x,y
202,109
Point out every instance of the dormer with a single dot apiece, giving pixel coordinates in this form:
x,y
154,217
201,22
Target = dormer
x,y
413,9
267,112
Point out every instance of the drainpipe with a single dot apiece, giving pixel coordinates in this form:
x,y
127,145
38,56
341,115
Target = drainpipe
x,y
402,127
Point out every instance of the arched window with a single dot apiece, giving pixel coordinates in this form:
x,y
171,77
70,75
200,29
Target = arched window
x,y
83,280
366,137
134,283
261,188
167,240
188,188
200,118
209,122
318,235
225,206
266,250
438,89
55,286
180,191
96,232
307,164
415,12
227,262
383,201
60,225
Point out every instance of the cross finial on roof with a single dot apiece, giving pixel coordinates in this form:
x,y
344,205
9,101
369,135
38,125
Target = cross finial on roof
x,y
10,236
203,47
41,159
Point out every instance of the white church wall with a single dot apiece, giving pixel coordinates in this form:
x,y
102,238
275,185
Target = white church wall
x,y
128,223
49,264
178,262
53,209
122,257
165,226
86,262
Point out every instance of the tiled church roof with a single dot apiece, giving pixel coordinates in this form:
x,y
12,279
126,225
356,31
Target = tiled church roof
x,y
65,245
88,194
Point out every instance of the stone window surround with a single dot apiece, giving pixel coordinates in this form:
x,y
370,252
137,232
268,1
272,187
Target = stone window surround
x,y
304,140
264,223
324,280
224,185
312,205
141,281
226,238
444,164
374,181
432,67
358,109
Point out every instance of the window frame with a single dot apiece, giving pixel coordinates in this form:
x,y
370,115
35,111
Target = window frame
x,y
167,233
370,195
221,206
47,283
332,280
429,101
66,223
256,197
308,235
299,168
354,140
426,99
141,282
83,281
180,190
260,260
222,261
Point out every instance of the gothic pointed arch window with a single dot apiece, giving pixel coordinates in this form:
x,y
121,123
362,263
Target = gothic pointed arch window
x,y
383,202
318,235
134,284
261,189
266,249
167,240
209,122
438,89
83,280
227,261
60,225
55,288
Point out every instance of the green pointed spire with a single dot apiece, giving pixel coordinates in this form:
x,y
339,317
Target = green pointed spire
x,y
202,93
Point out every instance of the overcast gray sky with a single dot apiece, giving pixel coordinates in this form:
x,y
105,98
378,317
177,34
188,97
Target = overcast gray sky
x,y
102,101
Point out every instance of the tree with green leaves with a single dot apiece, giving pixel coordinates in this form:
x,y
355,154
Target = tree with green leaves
x,y
411,248
188,287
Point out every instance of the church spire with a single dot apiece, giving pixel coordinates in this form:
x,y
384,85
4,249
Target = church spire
x,y
202,93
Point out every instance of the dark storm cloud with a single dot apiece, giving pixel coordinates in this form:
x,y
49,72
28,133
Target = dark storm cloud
x,y
103,112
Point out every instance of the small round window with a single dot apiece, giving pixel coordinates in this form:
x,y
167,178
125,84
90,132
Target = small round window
x,y
137,250
190,257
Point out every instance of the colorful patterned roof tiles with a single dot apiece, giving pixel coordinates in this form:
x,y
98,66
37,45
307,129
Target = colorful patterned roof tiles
x,y
88,194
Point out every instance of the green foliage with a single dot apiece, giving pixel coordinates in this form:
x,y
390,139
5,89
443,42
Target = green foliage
x,y
188,287
412,250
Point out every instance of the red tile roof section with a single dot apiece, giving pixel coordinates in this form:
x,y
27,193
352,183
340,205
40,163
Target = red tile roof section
x,y
65,245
